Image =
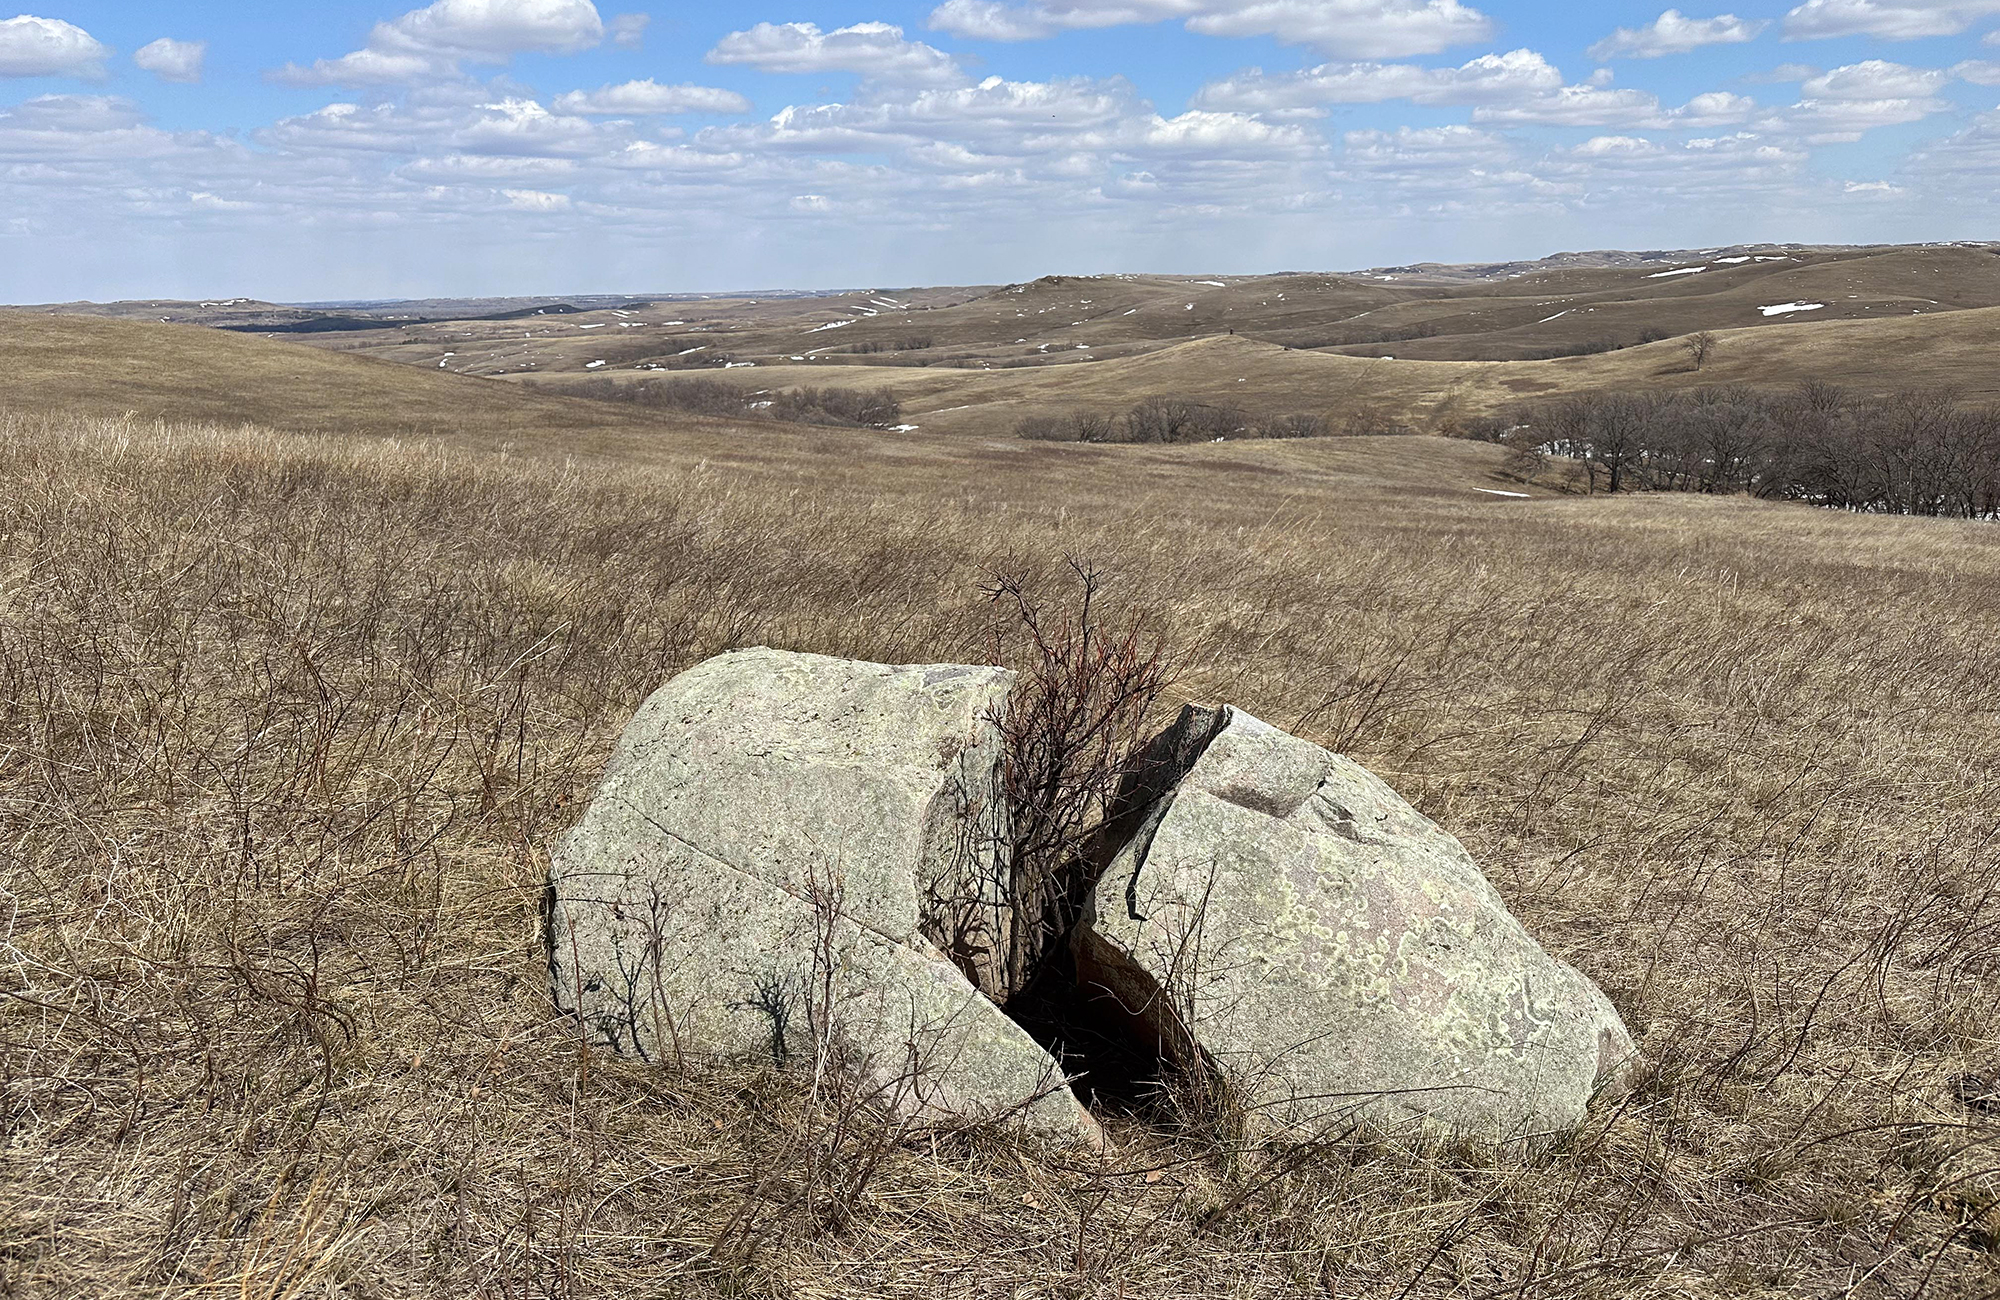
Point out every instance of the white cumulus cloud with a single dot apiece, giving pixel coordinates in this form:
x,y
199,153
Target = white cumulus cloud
x,y
1408,145
523,127
536,200
1675,33
172,60
628,31
1895,20
1225,135
1875,79
1842,121
640,98
1487,79
1600,106
428,44
48,47
877,51
1360,29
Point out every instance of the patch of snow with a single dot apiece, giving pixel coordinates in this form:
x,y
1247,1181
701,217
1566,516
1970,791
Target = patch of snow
x,y
1685,270
1190,306
1498,493
830,325
904,428
1217,283
1133,312
1730,261
1558,316
737,365
1781,308
593,365
691,351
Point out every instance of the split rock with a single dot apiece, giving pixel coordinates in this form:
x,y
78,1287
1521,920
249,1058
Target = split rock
x,y
1277,912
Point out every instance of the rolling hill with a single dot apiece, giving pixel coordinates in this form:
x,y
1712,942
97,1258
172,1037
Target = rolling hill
x,y
1946,351
95,367
1408,348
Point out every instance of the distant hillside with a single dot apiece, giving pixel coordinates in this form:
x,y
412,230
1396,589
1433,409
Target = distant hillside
x,y
1408,348
1571,305
1948,351
184,372
102,367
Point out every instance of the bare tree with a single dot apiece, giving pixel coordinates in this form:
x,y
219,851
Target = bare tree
x,y
1699,347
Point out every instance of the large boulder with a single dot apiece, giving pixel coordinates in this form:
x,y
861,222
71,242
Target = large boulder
x,y
1277,914
796,855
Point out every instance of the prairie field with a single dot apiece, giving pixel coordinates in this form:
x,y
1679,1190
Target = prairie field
x,y
289,720
1418,348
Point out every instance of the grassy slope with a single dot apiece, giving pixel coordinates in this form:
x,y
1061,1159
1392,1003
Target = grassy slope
x,y
1542,312
186,372
52,363
1943,351
1068,319
289,724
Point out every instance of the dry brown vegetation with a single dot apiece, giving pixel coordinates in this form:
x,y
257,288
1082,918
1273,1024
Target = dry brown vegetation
x,y
1945,352
1493,313
286,725
186,372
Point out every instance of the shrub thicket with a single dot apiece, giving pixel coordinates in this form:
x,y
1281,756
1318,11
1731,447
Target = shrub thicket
x,y
855,407
1906,453
1171,419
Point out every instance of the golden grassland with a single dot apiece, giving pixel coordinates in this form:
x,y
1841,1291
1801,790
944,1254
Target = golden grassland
x,y
187,372
287,724
1438,315
1944,352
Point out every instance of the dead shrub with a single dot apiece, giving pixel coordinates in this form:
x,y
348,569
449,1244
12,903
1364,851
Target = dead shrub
x,y
1071,730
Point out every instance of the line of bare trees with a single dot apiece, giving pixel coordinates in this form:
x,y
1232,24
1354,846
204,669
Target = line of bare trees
x,y
1911,453
861,407
1184,419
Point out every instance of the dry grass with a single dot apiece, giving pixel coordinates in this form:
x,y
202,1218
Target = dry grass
x,y
1941,352
285,726
1431,316
186,372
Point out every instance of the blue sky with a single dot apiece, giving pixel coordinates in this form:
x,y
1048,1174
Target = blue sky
x,y
366,149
